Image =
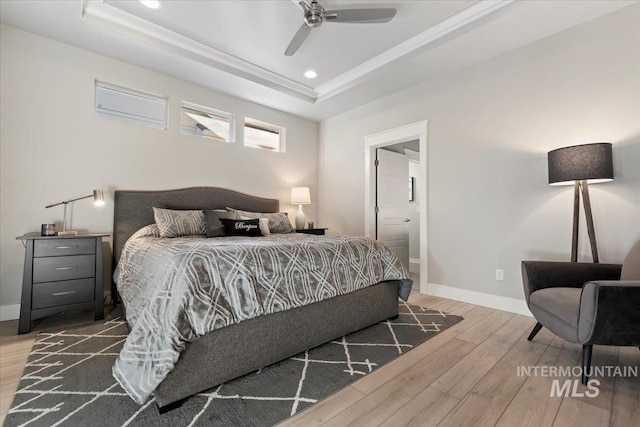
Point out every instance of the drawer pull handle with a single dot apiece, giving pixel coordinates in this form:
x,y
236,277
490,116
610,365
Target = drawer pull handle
x,y
66,247
66,268
57,294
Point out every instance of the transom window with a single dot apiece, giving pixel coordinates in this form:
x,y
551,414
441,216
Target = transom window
x,y
259,134
132,106
207,122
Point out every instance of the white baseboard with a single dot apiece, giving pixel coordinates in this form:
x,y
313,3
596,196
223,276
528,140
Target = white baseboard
x,y
9,312
511,305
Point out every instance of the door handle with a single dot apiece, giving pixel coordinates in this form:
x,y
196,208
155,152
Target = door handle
x,y
406,220
66,268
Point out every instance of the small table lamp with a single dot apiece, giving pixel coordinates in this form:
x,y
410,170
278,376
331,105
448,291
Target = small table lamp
x,y
98,200
300,196
579,166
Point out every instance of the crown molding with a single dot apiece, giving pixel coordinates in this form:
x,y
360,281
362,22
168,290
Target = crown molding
x,y
362,72
98,12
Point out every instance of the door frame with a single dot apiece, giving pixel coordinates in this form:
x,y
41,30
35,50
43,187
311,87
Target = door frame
x,y
372,142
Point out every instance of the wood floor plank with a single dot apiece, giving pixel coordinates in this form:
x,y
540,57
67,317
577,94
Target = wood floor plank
x,y
625,408
576,413
462,377
426,409
533,406
486,402
383,402
487,326
604,356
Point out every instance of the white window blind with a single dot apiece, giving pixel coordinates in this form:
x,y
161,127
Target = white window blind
x,y
132,106
264,135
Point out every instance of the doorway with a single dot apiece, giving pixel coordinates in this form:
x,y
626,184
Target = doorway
x,y
384,219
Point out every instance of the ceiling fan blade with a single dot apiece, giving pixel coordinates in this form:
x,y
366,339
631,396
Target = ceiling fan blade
x,y
298,39
361,16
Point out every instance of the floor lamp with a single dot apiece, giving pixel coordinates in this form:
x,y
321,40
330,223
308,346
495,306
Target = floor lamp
x,y
580,165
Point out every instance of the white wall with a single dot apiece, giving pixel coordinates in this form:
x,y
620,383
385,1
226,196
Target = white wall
x,y
490,127
54,148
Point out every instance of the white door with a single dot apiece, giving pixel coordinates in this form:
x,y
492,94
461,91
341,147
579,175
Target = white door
x,y
393,203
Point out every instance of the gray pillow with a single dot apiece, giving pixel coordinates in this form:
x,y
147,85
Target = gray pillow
x,y
175,223
278,222
214,227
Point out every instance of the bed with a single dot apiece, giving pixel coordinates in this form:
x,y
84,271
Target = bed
x,y
238,349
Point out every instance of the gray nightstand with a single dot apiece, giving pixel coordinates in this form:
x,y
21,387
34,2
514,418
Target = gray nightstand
x,y
318,231
61,273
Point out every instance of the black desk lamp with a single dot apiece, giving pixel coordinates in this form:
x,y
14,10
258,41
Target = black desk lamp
x,y
581,165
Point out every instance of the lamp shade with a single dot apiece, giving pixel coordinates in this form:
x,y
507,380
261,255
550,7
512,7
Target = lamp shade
x,y
300,196
98,198
590,162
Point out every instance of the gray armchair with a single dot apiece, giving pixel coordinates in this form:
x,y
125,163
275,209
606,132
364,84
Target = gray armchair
x,y
588,304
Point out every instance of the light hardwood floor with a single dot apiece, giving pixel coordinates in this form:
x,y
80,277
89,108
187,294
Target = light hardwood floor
x,y
465,376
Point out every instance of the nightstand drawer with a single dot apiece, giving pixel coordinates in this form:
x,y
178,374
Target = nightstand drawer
x,y
61,293
53,269
61,247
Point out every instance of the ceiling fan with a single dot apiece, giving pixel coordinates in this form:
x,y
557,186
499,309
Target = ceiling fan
x,y
315,15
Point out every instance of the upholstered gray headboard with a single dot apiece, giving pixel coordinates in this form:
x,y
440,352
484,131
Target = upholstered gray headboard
x,y
134,209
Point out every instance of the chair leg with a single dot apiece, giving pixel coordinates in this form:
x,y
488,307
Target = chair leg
x,y
535,331
587,349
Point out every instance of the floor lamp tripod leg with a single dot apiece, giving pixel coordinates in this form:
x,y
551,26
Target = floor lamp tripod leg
x,y
576,220
589,217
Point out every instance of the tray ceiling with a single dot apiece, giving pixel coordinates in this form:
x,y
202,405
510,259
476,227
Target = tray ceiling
x,y
238,46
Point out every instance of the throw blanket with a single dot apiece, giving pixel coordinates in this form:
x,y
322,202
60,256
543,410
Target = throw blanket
x,y
177,289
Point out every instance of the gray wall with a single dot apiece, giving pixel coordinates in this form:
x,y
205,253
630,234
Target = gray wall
x,y
53,147
490,127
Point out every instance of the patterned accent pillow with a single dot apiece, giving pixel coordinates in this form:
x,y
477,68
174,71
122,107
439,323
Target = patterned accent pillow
x,y
278,222
174,223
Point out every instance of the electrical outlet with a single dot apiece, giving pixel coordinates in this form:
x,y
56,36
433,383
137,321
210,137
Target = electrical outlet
x,y
499,275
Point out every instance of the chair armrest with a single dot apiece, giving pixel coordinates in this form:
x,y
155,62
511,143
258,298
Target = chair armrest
x,y
610,313
545,274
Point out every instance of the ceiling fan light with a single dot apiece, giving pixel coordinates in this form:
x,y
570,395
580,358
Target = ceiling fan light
x,y
310,74
151,4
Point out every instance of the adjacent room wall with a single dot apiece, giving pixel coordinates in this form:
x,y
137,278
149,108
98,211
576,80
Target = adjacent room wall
x,y
490,127
414,216
54,148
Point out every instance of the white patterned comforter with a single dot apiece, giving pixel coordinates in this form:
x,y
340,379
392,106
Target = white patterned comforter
x,y
175,290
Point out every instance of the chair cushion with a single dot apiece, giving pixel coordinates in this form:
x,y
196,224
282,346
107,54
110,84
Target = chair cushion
x,y
631,264
558,309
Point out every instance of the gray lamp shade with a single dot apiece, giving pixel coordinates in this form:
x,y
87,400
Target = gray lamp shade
x,y
590,162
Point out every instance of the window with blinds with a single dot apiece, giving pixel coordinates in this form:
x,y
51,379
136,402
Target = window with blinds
x,y
259,134
131,106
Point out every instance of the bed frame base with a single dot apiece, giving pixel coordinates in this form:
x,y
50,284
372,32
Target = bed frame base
x,y
245,347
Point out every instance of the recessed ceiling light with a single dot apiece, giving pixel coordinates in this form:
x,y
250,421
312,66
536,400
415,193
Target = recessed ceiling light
x,y
310,74
151,4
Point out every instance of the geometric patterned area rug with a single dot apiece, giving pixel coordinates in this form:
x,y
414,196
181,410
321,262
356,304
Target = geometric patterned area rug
x,y
68,381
